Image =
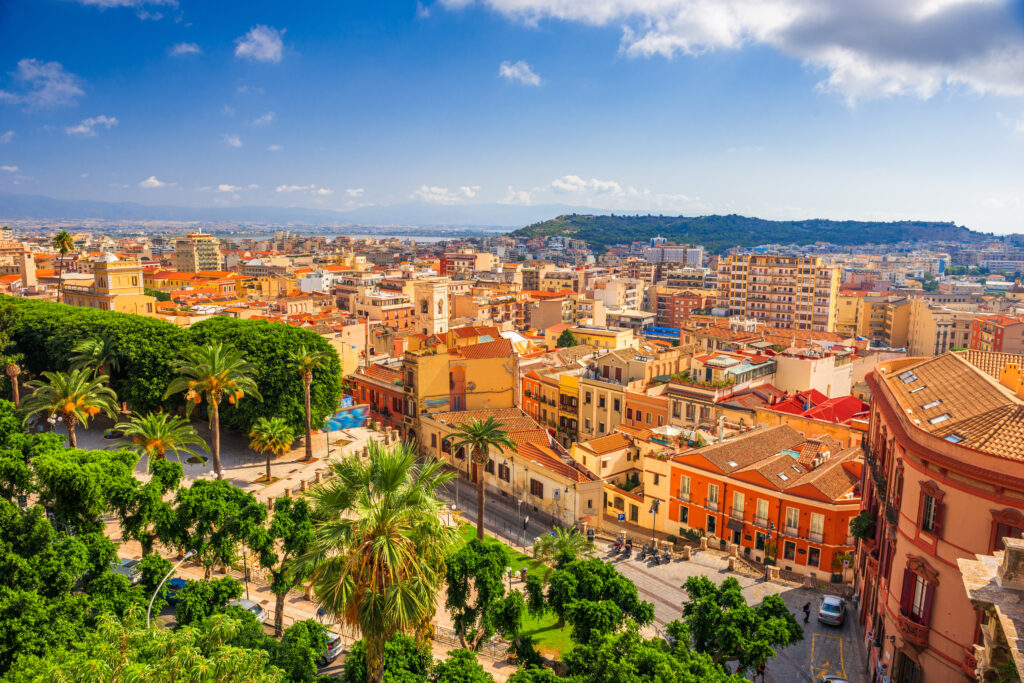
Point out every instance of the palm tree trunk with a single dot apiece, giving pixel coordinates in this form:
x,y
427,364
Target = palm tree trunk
x,y
279,613
268,467
308,381
60,278
374,658
480,497
70,423
215,427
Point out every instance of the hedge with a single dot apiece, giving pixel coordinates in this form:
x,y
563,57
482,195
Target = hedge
x,y
146,347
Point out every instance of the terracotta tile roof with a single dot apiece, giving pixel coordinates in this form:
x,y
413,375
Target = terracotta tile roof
x,y
384,373
834,478
991,362
749,448
513,419
500,348
548,459
634,432
615,441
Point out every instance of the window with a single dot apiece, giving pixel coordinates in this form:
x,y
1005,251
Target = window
x,y
954,438
931,404
676,410
586,398
616,405
536,488
618,374
600,401
600,427
918,594
586,423
705,412
446,446
661,420
503,472
684,514
792,518
789,550
684,486
712,493
931,509
939,418
711,525
762,511
737,503
760,538
657,478
634,513
489,467
928,516
629,413
690,411
433,440
813,557
817,524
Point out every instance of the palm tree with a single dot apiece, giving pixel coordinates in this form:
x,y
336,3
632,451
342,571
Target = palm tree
x,y
305,361
379,551
154,434
563,546
272,436
478,437
96,353
213,372
72,398
63,242
13,370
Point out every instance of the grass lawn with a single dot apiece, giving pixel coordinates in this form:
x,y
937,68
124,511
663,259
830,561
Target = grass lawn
x,y
548,638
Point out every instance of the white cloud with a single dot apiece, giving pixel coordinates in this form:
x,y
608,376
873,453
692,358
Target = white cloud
x,y
224,187
1014,124
866,49
186,49
312,189
107,4
521,197
46,84
87,128
274,148
152,183
6,137
249,89
354,192
576,184
422,11
519,72
264,120
260,44
227,110
232,141
441,195
9,169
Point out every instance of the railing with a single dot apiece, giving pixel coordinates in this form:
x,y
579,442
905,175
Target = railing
x,y
815,536
683,496
791,531
710,504
871,564
914,633
891,514
761,522
736,512
969,664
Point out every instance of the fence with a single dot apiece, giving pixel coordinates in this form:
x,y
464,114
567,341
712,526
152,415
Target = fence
x,y
493,649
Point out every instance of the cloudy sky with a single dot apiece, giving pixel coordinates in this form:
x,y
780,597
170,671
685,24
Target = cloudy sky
x,y
777,108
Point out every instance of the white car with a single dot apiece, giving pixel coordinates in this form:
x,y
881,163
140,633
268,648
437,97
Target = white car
x,y
832,611
252,607
334,648
129,569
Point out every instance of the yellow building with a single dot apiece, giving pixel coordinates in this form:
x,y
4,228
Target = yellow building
x,y
196,252
599,337
791,292
847,314
935,329
568,407
884,320
117,286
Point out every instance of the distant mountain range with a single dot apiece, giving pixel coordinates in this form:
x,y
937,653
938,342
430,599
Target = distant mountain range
x,y
717,233
24,206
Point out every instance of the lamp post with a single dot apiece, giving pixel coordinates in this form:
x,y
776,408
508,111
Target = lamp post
x,y
149,609
508,573
654,521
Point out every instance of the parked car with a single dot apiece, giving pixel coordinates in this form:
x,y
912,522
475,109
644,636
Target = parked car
x,y
832,610
833,679
251,607
173,586
130,569
334,648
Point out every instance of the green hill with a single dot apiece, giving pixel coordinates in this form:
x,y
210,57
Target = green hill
x,y
718,233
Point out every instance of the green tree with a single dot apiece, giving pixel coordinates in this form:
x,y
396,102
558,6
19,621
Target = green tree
x,y
97,354
589,618
563,546
305,361
404,660
152,570
565,340
125,651
862,526
200,599
81,487
214,518
534,675
64,243
289,537
299,649
476,588
272,437
378,555
596,581
723,626
74,397
478,438
147,510
461,666
156,294
154,434
213,372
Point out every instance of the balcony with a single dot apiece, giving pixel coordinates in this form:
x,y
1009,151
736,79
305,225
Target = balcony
x,y
871,564
735,512
969,664
761,522
710,504
815,537
914,633
793,531
683,496
891,513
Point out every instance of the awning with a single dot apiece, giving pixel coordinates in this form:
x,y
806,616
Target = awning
x,y
734,525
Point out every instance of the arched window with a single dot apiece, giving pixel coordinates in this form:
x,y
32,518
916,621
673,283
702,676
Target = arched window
x,y
1006,523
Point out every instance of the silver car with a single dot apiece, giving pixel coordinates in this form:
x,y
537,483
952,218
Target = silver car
x,y
252,607
832,611
334,648
129,569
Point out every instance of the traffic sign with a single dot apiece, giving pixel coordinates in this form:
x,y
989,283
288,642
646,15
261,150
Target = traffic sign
x,y
622,517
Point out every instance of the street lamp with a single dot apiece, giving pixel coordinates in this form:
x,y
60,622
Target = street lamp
x,y
149,609
508,573
654,521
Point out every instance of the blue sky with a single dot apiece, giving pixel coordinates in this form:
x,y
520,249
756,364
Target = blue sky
x,y
776,108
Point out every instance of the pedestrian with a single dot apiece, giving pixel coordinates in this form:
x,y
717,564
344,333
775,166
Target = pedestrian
x,y
807,612
760,672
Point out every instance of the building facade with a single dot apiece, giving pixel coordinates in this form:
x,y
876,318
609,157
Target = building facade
x,y
197,251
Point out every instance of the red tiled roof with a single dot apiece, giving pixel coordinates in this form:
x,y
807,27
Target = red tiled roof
x,y
500,348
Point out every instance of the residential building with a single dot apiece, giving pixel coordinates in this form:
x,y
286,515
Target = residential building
x,y
934,329
792,292
945,482
995,585
197,251
1003,333
116,286
379,386
386,307
672,307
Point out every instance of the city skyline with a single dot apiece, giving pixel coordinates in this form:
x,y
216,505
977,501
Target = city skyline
x,y
781,110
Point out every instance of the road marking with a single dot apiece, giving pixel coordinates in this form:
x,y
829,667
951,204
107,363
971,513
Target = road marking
x,y
819,669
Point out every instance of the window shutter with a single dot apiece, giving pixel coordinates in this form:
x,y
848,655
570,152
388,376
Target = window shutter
x,y
907,596
940,515
929,595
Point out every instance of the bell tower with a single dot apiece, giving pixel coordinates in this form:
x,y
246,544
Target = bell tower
x,y
430,299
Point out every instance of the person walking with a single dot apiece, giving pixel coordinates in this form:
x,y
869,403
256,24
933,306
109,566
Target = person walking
x,y
807,612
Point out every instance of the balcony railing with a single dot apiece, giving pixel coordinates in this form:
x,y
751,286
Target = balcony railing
x,y
891,514
761,522
914,633
871,564
736,512
683,496
710,504
791,531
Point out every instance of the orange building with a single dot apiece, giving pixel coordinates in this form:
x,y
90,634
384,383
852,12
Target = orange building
x,y
646,409
776,494
380,387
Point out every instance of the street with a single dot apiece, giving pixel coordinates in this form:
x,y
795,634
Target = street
x,y
824,650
